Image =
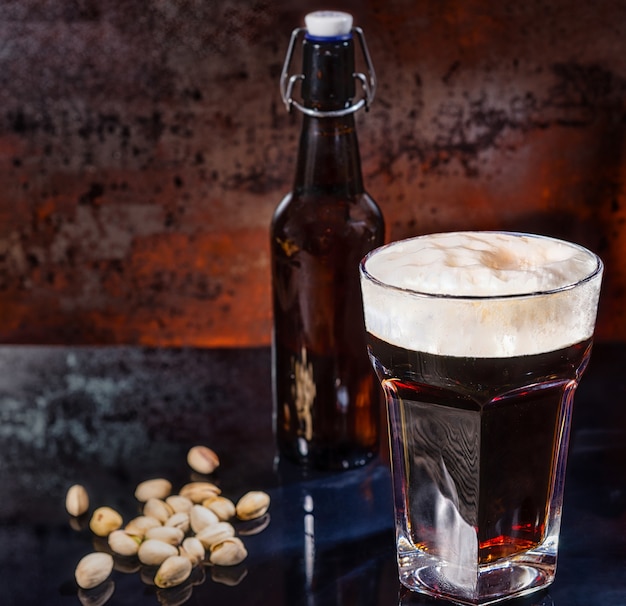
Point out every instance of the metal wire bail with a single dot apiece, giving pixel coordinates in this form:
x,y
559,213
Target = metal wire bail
x,y
368,82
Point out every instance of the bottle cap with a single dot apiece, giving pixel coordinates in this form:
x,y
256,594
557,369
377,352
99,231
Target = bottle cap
x,y
328,25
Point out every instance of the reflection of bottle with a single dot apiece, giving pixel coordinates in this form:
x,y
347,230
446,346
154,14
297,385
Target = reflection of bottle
x,y
326,396
326,569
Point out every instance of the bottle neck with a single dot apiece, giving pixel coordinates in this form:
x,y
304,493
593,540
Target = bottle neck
x,y
329,162
328,157
328,70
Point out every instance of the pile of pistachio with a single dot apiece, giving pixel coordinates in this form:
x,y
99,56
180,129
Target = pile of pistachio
x,y
174,533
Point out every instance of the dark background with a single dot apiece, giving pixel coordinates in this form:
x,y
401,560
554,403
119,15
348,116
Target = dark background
x,y
144,146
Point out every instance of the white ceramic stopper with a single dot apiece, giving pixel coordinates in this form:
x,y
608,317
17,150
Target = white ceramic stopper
x,y
328,24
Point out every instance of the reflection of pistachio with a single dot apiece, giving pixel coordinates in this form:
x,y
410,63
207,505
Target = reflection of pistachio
x,y
173,571
231,575
158,488
198,576
93,569
98,596
76,500
146,574
104,521
252,505
174,596
202,459
126,564
80,523
252,527
229,552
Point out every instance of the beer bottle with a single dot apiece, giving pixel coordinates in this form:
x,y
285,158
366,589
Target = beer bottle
x,y
326,398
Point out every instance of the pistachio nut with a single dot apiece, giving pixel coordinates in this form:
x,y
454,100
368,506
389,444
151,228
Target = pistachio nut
x,y
93,569
200,517
167,534
252,505
123,543
199,491
140,525
158,509
179,520
179,503
202,459
222,507
193,549
173,571
157,488
76,500
104,521
153,553
216,533
229,552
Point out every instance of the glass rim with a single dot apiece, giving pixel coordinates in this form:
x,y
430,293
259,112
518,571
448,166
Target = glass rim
x,y
495,297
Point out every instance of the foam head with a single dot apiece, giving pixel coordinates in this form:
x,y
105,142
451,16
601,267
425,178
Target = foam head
x,y
481,294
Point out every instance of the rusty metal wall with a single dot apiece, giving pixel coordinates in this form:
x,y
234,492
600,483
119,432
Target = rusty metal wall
x,y
144,146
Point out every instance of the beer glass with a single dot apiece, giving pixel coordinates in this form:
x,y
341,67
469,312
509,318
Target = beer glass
x,y
479,340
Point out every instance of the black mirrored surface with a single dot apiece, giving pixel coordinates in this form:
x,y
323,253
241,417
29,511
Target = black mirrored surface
x,y
111,417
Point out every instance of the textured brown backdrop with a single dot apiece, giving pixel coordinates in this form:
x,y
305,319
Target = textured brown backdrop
x,y
144,146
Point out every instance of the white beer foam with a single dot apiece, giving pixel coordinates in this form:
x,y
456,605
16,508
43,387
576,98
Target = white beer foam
x,y
482,281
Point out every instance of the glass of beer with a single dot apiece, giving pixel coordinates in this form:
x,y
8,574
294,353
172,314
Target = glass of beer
x,y
479,340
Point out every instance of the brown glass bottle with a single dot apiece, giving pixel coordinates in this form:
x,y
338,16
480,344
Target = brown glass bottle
x,y
327,399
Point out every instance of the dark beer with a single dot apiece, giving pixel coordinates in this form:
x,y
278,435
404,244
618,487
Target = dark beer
x,y
483,433
327,399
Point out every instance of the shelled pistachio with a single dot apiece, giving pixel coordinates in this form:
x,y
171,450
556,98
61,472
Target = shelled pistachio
x,y
104,521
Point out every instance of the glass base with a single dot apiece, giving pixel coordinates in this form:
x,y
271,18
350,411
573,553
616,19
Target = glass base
x,y
487,584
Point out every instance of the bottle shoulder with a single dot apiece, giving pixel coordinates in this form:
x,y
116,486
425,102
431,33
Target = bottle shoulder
x,y
327,228
312,207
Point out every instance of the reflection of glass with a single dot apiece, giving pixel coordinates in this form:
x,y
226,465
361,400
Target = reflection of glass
x,y
479,341
407,597
309,545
